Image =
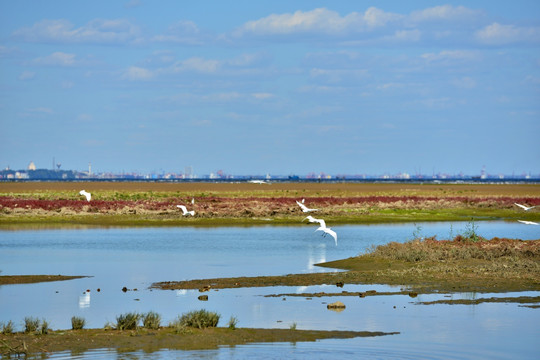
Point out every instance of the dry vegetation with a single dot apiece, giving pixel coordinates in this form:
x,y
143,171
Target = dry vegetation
x,y
223,203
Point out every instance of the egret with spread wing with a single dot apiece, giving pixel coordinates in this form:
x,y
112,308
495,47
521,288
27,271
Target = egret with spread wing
x,y
312,220
304,207
526,208
185,211
328,231
86,194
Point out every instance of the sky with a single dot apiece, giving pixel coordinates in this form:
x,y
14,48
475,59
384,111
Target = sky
x,y
271,87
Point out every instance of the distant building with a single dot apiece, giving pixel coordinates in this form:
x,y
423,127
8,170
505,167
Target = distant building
x,y
31,166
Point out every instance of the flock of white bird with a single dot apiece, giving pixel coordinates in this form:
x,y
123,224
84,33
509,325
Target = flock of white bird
x,y
326,230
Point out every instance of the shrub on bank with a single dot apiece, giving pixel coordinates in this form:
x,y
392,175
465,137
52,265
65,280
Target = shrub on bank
x,y
128,321
77,323
151,320
199,319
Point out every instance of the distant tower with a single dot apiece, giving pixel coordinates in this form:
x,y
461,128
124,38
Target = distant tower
x,y
188,172
89,168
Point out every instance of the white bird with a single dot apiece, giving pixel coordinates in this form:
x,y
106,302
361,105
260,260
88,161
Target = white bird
x,y
304,207
526,208
258,182
192,201
185,211
312,220
86,194
528,222
328,231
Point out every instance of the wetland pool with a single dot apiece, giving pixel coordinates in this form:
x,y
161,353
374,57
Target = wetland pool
x,y
137,257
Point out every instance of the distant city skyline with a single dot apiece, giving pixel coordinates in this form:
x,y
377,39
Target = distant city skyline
x,y
281,87
189,173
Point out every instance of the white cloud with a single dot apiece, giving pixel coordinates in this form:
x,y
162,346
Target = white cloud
x,y
135,73
63,31
27,75
318,21
262,96
41,110
56,59
338,75
182,32
498,34
197,64
451,56
444,12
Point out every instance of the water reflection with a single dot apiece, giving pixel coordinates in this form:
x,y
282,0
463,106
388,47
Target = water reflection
x,y
84,300
316,254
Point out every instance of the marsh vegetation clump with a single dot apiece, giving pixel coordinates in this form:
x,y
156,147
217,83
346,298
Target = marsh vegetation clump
x,y
128,321
460,248
7,328
77,323
151,320
31,324
233,321
199,319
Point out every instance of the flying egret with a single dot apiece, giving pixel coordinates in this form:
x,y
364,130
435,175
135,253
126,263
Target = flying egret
x,y
526,208
328,231
312,220
304,207
528,222
86,194
185,211
258,182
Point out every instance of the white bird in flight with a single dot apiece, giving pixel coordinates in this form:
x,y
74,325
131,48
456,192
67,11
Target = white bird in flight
x,y
312,220
526,208
258,182
185,211
304,207
86,194
328,231
528,222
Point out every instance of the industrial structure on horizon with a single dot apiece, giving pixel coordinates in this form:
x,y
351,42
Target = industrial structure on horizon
x,y
34,173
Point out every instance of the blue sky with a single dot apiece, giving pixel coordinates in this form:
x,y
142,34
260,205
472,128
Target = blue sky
x,y
279,87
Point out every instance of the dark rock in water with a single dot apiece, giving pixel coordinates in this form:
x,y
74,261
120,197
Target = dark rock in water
x,y
362,294
337,306
124,289
339,284
203,298
98,290
413,294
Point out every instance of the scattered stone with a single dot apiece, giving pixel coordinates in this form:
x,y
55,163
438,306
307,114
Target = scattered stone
x,y
203,298
336,306
98,290
413,294
205,288
124,289
339,284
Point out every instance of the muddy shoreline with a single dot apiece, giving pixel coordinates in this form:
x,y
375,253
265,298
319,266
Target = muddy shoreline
x,y
78,341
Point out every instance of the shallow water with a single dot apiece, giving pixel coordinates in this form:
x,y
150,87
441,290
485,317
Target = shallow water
x,y
137,257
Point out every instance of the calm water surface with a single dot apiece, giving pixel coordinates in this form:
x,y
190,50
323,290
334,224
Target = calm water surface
x,y
137,257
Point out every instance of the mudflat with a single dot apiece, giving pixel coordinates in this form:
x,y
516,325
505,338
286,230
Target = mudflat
x,y
78,341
